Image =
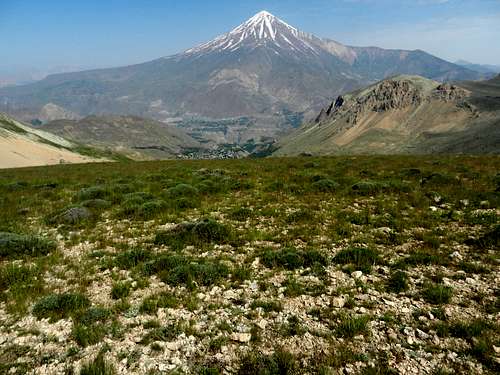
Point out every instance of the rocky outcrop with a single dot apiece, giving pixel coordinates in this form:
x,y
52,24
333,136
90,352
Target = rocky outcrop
x,y
449,92
51,112
397,93
404,115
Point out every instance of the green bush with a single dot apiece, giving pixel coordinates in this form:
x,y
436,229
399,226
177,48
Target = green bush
x,y
241,213
14,275
96,204
293,327
360,258
351,326
93,315
120,290
98,366
325,186
151,209
279,363
151,304
437,294
398,282
194,233
424,257
182,191
167,333
17,245
267,306
94,192
59,306
464,330
86,335
131,258
300,216
291,258
369,187
489,239
178,270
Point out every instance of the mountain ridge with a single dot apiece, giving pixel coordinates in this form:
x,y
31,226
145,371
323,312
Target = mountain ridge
x,y
404,115
275,70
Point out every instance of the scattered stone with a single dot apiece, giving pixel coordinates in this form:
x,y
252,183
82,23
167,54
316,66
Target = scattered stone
x,y
338,302
241,337
357,274
74,215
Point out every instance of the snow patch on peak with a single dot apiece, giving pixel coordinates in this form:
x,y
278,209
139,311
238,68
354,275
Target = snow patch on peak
x,y
263,29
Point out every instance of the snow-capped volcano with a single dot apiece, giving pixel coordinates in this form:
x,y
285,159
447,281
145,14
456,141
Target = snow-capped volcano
x,y
263,29
263,77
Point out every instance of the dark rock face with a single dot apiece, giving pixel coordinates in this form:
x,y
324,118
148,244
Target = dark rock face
x,y
389,95
450,92
392,95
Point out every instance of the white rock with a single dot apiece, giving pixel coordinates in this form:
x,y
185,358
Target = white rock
x,y
393,336
357,274
241,337
163,367
262,324
421,334
338,302
470,281
173,346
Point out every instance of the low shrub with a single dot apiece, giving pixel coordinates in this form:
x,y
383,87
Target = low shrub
x,y
362,259
120,290
182,190
279,363
437,294
351,326
267,306
178,270
241,213
18,245
59,306
96,204
131,258
300,216
93,315
151,304
99,366
369,187
194,233
93,192
13,275
167,333
291,258
86,335
398,282
325,186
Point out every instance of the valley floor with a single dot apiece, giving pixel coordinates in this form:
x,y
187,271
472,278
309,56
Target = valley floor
x,y
345,265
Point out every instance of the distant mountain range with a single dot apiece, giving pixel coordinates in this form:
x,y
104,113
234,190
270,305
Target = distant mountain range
x,y
480,68
404,115
259,80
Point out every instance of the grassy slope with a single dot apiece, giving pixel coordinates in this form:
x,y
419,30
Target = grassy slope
x,y
310,221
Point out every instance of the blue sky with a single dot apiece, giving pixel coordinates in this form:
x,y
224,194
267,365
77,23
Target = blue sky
x,y
50,34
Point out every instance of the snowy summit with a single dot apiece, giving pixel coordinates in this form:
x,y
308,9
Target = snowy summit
x,y
262,29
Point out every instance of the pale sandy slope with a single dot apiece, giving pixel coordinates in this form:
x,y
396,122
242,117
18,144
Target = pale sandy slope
x,y
19,152
21,146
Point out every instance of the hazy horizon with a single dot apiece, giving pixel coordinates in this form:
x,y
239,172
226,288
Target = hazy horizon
x,y
56,36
